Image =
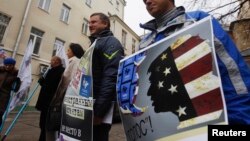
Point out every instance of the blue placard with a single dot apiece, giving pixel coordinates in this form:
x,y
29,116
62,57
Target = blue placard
x,y
85,89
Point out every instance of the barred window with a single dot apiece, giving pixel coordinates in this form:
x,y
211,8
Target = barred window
x,y
4,22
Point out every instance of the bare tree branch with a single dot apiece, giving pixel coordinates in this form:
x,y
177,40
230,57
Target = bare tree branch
x,y
228,15
222,6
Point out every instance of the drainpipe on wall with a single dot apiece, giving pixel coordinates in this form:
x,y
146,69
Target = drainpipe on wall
x,y
21,29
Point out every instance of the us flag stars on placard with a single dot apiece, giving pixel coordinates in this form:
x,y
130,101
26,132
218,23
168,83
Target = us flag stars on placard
x,y
182,82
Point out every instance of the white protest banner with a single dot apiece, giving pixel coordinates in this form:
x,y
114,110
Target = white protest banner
x,y
77,113
25,76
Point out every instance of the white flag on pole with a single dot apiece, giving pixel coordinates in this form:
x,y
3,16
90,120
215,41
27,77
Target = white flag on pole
x,y
60,52
24,74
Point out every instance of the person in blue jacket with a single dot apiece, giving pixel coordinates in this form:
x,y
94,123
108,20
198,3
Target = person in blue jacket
x,y
234,72
107,54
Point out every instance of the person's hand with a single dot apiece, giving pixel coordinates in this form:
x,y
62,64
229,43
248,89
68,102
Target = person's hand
x,y
41,80
97,120
16,84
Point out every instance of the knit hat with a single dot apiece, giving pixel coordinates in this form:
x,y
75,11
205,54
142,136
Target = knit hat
x,y
77,50
9,61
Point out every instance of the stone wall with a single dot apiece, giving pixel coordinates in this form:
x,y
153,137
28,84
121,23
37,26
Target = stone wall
x,y
244,11
240,31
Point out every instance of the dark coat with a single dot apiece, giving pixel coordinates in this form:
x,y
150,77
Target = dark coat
x,y
67,76
49,85
106,56
7,79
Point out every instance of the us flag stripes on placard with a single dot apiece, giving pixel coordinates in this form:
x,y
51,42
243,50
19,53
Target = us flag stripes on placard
x,y
183,82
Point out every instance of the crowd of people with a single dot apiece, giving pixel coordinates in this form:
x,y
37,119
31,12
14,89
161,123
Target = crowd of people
x,y
108,51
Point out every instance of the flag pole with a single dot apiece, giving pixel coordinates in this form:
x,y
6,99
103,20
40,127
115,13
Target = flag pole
x,y
20,112
12,94
22,76
6,111
23,107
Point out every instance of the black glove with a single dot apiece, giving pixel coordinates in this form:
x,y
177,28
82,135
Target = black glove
x,y
16,84
41,80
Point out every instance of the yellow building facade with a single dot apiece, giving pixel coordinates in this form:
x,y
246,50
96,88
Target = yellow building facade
x,y
56,23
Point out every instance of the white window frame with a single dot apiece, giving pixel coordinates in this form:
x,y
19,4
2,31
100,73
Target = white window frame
x,y
64,16
111,1
133,45
36,37
44,4
124,38
88,2
4,22
57,44
85,26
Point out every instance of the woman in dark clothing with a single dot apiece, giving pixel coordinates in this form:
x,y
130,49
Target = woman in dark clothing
x,y
8,82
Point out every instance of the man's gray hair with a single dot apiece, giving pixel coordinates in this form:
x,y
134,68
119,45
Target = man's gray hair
x,y
103,18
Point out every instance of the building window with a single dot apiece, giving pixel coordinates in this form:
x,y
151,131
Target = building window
x,y
36,36
44,4
117,5
4,22
85,26
133,45
65,13
57,45
111,1
88,2
124,36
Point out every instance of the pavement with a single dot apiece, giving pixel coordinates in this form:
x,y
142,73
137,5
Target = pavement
x,y
27,128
